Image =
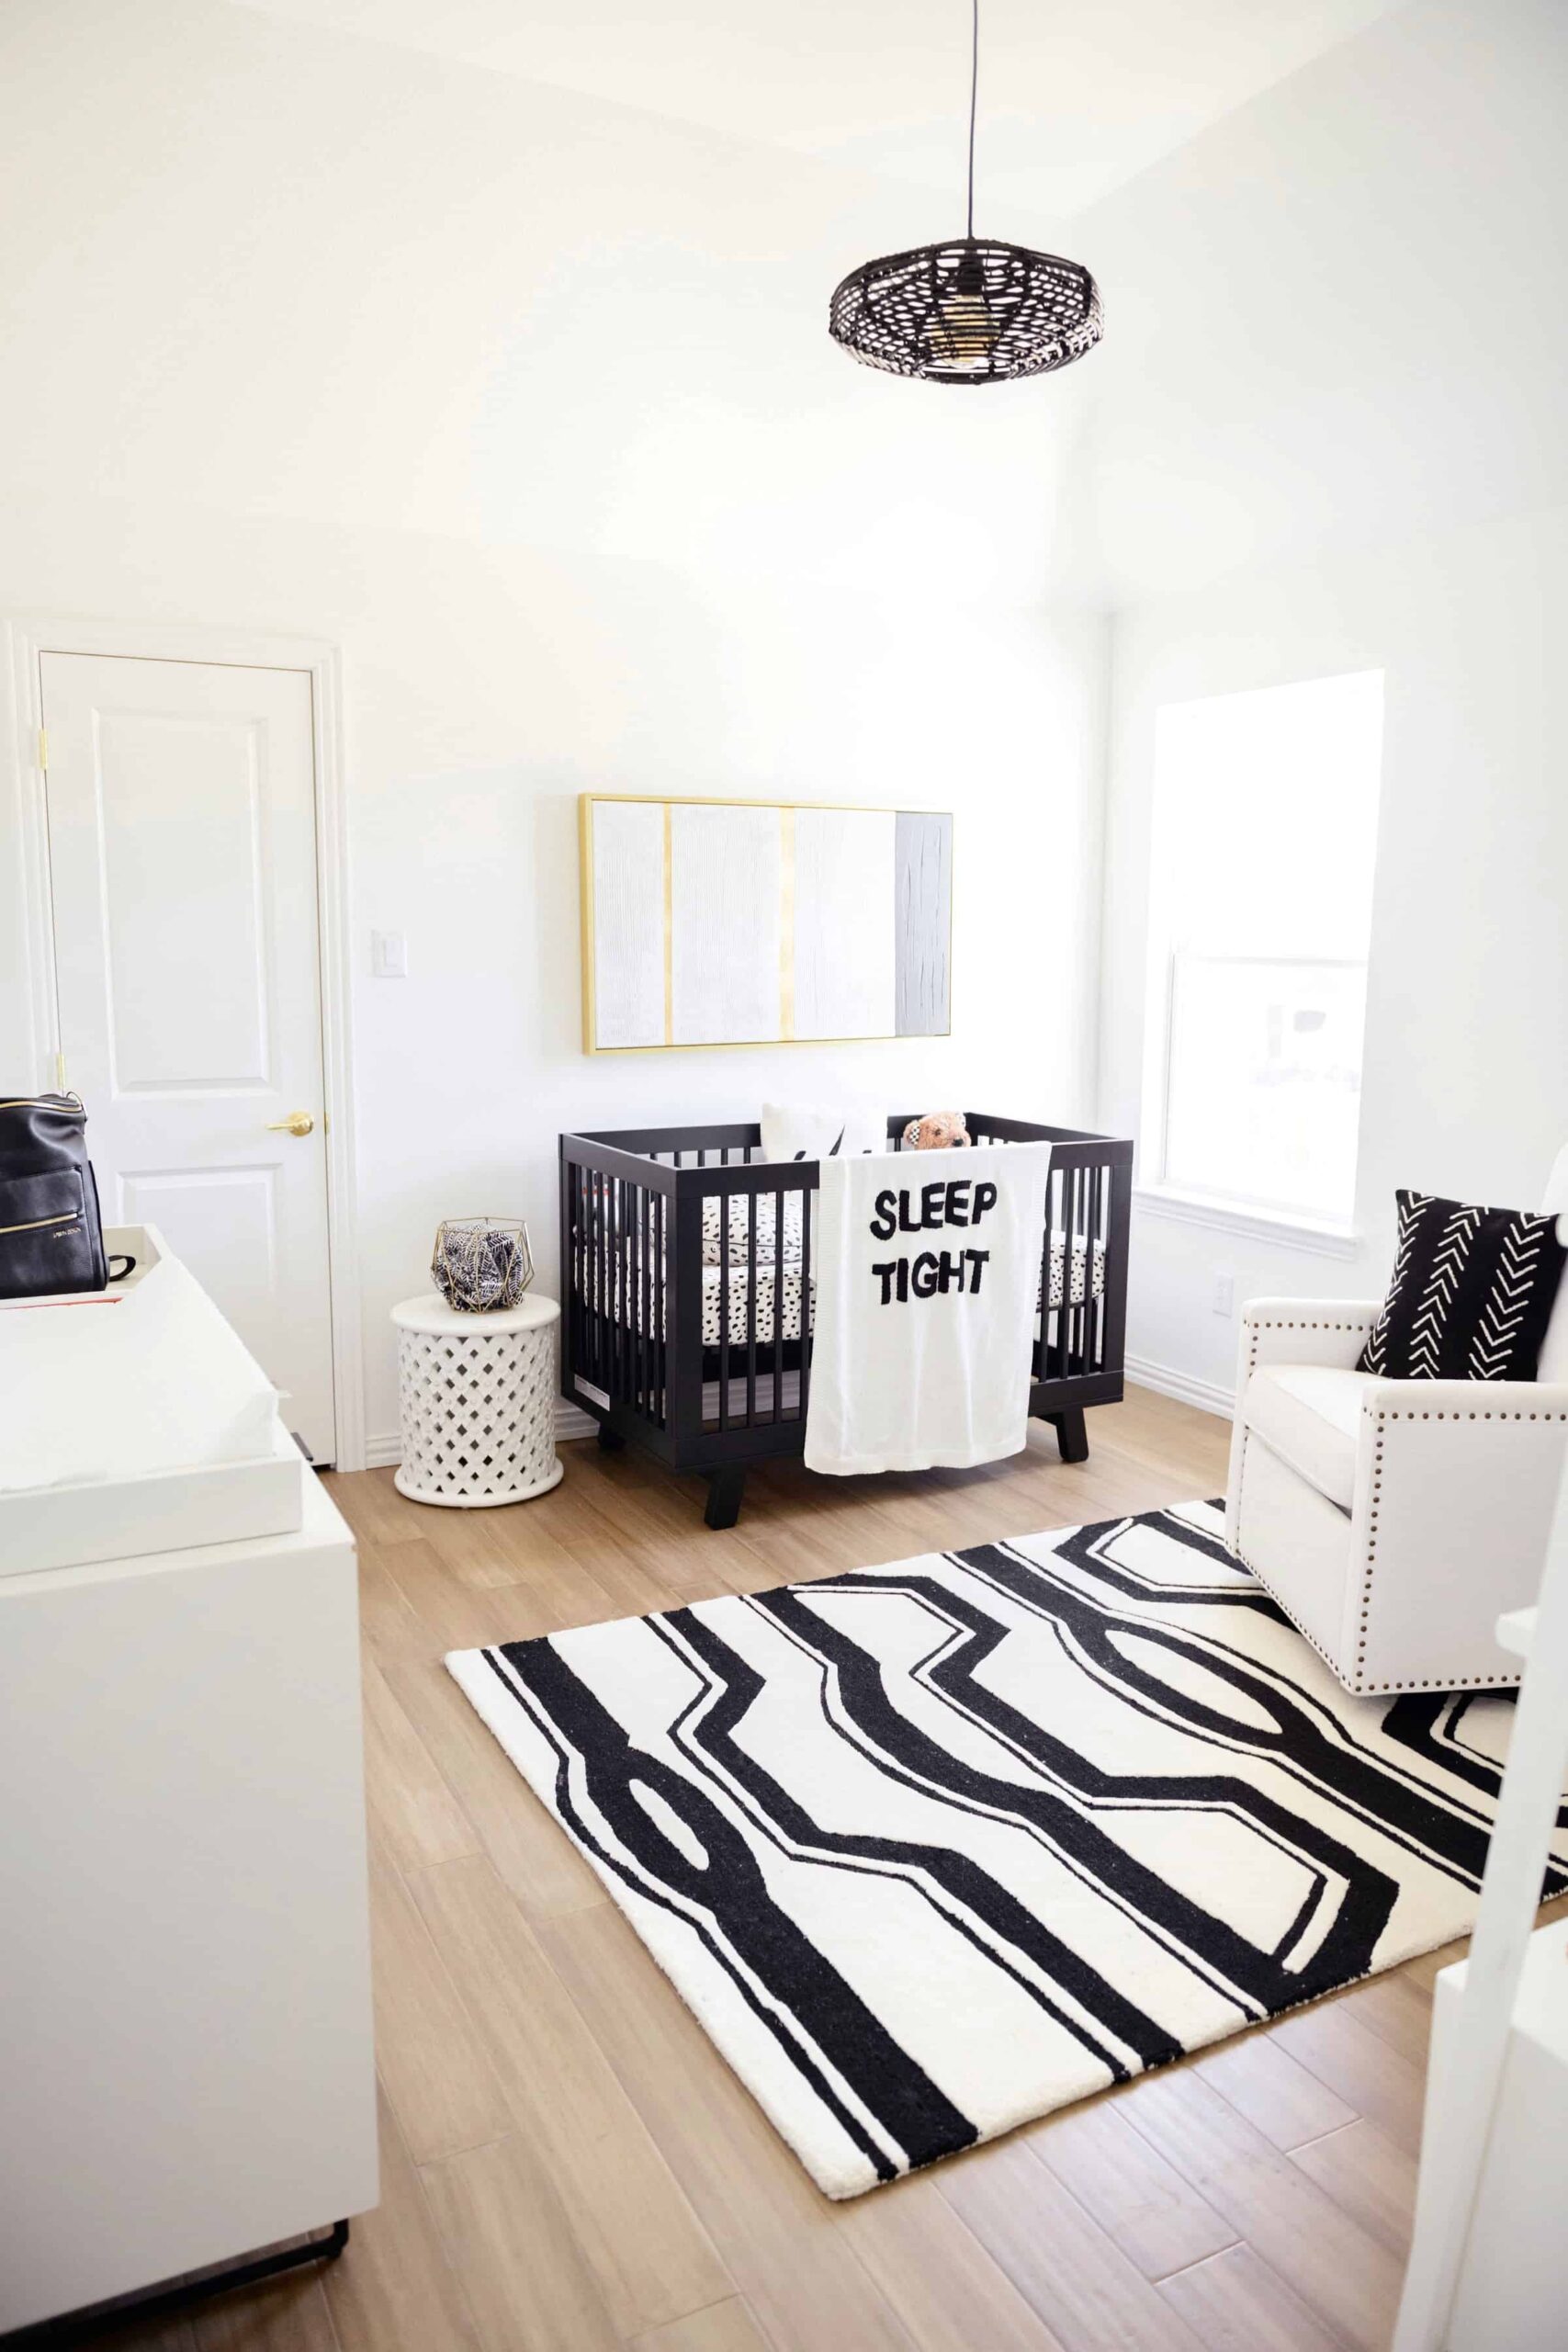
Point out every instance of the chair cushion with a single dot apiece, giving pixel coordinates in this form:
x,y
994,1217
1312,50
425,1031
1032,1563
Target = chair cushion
x,y
1308,1415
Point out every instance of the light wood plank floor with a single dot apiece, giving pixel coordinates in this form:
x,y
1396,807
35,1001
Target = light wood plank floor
x,y
568,2167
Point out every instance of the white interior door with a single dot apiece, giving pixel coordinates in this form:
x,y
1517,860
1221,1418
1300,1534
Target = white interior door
x,y
183,863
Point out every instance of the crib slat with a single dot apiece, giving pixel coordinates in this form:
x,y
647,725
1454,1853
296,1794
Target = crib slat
x,y
1070,1367
645,1401
580,1267
585,1272
1088,1184
1091,1194
620,1303
1097,1312
1059,1352
589,1296
585,1267
1076,1221
1085,1317
1042,1351
571,1308
596,1243
634,1297
1069,1197
615,1300
1053,1198
1053,1226
780,1207
660,1279
625,1326
595,1287
607,1296
724,1310
631,1197
606,1304
807,1320
751,1282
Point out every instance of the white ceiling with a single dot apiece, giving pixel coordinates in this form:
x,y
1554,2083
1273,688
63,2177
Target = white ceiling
x,y
1073,100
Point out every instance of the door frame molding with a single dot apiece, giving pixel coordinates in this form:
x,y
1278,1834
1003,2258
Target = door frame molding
x,y
28,637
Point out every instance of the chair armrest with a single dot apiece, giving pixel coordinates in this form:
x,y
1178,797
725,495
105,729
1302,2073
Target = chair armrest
x,y
1303,1331
1466,1400
1456,1483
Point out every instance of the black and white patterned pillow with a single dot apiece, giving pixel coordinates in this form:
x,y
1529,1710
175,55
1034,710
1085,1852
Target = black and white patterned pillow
x,y
1471,1293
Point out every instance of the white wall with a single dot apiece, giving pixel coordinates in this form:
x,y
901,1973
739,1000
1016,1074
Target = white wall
x,y
1465,1088
1330,440
525,401
528,403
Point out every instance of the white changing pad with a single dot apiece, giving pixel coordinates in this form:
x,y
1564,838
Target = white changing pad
x,y
115,1386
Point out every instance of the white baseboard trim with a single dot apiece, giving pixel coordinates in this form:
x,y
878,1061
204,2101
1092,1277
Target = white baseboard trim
x,y
384,1452
1205,1394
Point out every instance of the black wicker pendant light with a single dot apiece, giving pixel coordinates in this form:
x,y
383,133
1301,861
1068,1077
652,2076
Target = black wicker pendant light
x,y
971,312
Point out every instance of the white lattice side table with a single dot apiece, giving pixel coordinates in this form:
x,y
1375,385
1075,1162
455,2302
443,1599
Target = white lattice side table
x,y
476,1401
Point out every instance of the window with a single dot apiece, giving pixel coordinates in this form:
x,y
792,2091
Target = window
x,y
1264,837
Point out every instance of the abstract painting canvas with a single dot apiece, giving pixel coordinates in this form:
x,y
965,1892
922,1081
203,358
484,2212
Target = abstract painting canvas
x,y
730,922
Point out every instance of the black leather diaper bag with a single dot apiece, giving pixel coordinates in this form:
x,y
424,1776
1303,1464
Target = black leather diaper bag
x,y
52,1237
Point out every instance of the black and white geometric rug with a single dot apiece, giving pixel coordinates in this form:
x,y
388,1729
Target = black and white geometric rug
x,y
932,1849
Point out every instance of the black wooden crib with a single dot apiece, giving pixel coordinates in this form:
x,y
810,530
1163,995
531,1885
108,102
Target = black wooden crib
x,y
688,1289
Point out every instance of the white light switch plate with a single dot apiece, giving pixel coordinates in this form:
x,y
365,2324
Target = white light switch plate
x,y
388,956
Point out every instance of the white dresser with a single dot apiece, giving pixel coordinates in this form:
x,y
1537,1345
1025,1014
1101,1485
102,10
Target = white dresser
x,y
184,1989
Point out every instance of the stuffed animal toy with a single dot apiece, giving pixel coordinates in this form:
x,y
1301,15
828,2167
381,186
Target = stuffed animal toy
x,y
937,1131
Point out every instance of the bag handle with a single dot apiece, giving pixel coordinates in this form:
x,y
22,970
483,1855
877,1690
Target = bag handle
x,y
127,1264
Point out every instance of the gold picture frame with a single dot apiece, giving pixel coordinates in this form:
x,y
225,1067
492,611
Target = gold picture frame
x,y
780,928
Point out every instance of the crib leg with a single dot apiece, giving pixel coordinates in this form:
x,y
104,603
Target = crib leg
x,y
1072,1438
610,1440
725,1488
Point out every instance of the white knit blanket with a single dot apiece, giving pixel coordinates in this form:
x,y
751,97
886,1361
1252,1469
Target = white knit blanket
x,y
927,1272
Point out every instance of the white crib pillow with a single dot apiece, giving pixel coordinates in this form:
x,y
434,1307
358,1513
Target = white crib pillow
x,y
792,1131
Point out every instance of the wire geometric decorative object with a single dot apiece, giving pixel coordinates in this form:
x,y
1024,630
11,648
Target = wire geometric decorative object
x,y
481,1264
971,309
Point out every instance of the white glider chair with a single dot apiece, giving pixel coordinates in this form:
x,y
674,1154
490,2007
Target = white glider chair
x,y
1394,1520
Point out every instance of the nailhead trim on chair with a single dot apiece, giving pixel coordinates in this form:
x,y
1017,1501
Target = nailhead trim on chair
x,y
1459,1682
1305,1323
1360,1688
1366,1594
1441,1416
1296,1323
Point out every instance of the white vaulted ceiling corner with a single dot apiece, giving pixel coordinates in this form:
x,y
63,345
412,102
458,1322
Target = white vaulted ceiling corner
x,y
1075,99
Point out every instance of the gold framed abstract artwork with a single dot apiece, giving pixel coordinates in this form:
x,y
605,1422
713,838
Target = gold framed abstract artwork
x,y
751,922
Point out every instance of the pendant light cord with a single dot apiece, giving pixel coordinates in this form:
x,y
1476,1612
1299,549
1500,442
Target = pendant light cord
x,y
974,88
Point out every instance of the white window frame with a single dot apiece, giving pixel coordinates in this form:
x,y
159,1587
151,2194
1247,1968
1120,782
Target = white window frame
x,y
1152,1194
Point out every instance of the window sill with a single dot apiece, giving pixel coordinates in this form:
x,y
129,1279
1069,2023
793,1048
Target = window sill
x,y
1257,1225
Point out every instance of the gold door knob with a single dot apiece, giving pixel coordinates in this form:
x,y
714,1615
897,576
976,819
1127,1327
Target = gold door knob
x,y
299,1123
